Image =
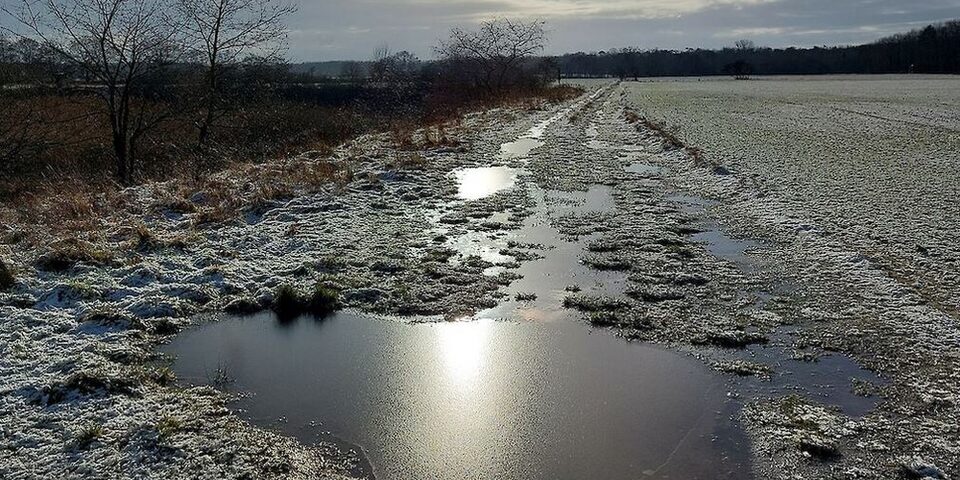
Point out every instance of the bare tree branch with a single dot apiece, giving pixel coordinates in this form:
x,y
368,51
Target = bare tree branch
x,y
494,51
222,33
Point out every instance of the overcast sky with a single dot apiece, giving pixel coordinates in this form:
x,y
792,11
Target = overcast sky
x,y
352,29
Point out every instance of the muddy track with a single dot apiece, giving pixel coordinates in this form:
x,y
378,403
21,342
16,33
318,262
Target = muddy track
x,y
689,258
717,266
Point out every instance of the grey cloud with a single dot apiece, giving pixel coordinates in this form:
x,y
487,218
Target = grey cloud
x,y
344,29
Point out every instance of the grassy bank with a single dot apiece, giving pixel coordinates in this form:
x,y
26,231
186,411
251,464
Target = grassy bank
x,y
276,146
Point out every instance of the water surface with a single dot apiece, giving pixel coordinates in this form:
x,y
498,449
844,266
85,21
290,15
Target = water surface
x,y
480,399
477,183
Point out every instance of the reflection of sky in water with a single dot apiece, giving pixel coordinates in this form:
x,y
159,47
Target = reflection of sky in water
x,y
490,399
520,148
477,183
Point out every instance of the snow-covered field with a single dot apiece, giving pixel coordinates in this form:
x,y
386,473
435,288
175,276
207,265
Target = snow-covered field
x,y
854,180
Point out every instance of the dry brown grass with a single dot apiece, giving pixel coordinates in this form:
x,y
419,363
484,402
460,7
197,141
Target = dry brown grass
x,y
80,215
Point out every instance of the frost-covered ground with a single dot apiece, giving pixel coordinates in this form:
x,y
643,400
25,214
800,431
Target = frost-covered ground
x,y
82,392
853,181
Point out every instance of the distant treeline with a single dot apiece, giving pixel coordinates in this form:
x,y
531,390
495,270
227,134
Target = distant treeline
x,y
934,49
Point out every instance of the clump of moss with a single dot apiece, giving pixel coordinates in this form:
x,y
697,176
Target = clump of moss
x,y
586,303
743,368
656,294
605,319
607,263
6,277
732,339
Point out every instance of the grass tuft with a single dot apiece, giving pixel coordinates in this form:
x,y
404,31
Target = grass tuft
x,y
67,253
324,301
167,427
87,436
289,302
7,280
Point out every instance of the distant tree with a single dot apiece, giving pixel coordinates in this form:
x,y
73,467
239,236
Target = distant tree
x,y
396,67
745,45
224,33
122,46
380,63
494,55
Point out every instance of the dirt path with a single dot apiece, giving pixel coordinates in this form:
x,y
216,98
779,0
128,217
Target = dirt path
x,y
764,300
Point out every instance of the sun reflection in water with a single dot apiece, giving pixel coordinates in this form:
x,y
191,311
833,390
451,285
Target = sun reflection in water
x,y
477,183
463,350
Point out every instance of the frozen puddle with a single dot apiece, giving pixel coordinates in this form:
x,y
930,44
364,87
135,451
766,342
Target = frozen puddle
x,y
524,390
829,379
538,295
722,245
477,183
533,400
717,242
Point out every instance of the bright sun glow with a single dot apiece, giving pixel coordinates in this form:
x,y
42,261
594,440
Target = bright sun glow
x,y
477,183
463,350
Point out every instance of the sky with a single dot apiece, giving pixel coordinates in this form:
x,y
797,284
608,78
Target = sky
x,y
352,29
325,30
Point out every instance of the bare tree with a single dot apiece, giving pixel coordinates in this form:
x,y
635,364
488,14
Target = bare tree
x,y
389,67
745,45
380,65
354,72
121,46
223,33
495,51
